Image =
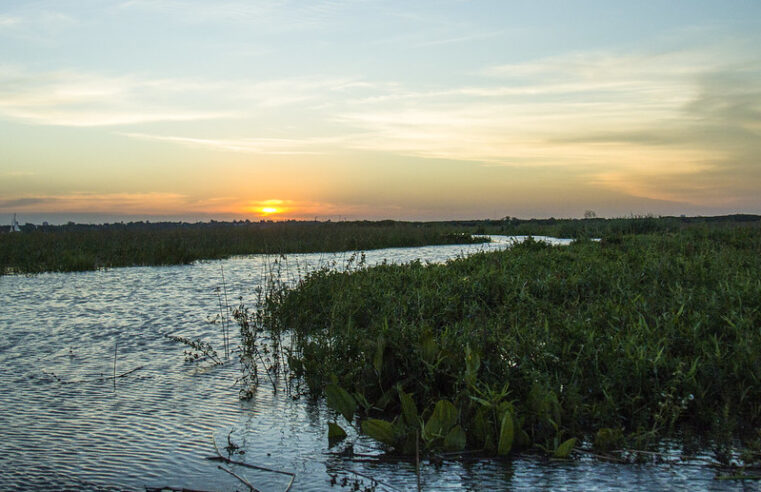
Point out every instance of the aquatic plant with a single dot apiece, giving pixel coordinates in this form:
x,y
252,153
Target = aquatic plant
x,y
628,340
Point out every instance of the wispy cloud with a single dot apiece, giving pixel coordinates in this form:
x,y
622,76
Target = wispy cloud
x,y
273,146
81,99
100,202
72,98
32,23
462,38
270,15
649,125
9,20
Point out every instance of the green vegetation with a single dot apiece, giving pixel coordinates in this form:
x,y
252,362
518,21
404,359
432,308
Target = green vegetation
x,y
76,247
598,227
82,247
625,341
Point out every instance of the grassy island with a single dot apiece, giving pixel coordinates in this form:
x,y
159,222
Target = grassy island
x,y
625,341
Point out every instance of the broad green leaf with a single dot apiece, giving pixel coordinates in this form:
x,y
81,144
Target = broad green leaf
x,y
380,347
380,430
361,400
341,401
564,450
522,439
443,418
481,401
335,432
384,399
409,409
483,428
607,439
472,364
506,434
429,348
455,440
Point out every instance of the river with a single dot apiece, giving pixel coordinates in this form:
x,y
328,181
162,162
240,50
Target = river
x,y
64,424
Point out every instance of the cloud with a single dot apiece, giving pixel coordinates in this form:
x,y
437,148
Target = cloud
x,y
98,202
716,137
32,24
649,125
273,146
71,98
9,21
23,202
268,15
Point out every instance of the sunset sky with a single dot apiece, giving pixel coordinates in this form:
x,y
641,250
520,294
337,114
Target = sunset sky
x,y
371,109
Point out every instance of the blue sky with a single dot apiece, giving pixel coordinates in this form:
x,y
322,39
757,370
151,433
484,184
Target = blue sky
x,y
377,109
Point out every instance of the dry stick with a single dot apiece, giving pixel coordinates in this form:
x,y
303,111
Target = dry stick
x,y
116,345
246,482
373,457
369,478
461,453
122,374
173,489
222,321
625,450
264,365
600,456
738,477
227,305
219,457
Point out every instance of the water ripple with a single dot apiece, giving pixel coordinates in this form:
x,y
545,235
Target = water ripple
x,y
64,425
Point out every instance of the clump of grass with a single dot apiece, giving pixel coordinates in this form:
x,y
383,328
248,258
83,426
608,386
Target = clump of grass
x,y
632,339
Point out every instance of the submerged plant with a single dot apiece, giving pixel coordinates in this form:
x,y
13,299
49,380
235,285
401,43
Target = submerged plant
x,y
198,350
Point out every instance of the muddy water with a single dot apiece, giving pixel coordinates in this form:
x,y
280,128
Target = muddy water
x,y
64,424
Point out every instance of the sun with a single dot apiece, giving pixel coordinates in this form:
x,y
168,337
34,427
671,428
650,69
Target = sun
x,y
269,210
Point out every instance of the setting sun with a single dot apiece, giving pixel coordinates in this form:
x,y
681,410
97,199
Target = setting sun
x,y
269,210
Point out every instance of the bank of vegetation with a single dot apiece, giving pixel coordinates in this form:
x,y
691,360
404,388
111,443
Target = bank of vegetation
x,y
623,342
88,247
74,247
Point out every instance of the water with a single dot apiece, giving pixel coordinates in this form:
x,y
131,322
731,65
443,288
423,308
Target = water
x,y
64,425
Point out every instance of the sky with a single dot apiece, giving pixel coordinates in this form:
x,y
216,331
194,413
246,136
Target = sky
x,y
377,109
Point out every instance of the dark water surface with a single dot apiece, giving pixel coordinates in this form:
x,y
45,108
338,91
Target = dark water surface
x,y
64,426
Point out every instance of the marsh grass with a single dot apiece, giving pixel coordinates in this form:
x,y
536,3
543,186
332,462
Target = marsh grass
x,y
87,247
623,342
81,247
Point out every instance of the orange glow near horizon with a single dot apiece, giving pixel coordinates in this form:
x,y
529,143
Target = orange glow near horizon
x,y
267,207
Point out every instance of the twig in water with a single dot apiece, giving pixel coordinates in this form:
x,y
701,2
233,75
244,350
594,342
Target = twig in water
x,y
222,321
375,480
600,456
227,315
124,373
246,482
116,345
738,477
173,489
219,457
417,459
